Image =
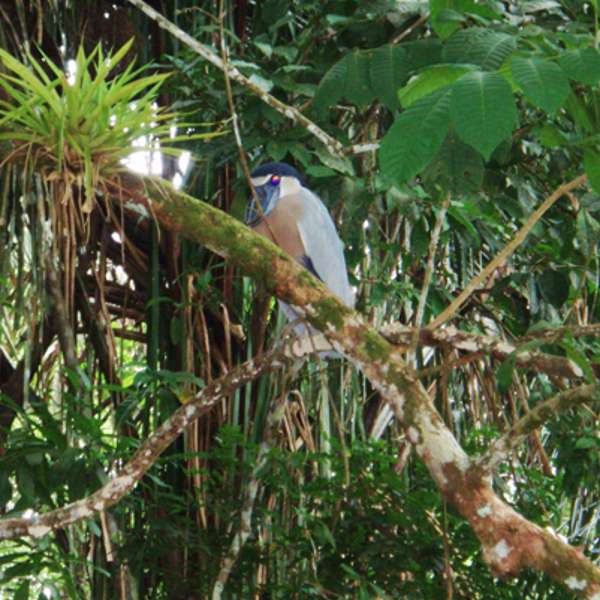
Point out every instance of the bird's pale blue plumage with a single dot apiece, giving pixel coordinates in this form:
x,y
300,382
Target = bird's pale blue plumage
x,y
281,191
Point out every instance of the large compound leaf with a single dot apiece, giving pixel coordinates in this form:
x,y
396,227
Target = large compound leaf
x,y
422,53
415,137
543,82
487,49
360,76
582,65
483,110
388,71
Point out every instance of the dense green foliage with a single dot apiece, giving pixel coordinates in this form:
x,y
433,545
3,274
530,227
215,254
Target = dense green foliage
x,y
486,105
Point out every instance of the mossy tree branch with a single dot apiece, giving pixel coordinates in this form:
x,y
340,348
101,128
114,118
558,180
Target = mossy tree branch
x,y
511,543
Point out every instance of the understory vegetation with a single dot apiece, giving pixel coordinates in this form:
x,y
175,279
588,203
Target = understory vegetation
x,y
456,145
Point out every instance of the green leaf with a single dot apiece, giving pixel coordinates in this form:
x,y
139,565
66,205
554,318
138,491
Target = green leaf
x,y
22,592
585,443
388,71
582,65
333,85
543,82
287,52
445,18
430,80
348,78
457,167
504,374
554,287
266,49
580,113
483,110
591,164
415,137
446,15
550,136
358,85
343,165
26,482
458,212
264,84
423,53
478,46
419,240
319,171
579,358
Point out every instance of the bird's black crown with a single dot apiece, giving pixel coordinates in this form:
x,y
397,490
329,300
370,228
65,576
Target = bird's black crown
x,y
277,168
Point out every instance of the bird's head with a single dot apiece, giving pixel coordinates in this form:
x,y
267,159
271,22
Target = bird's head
x,y
271,181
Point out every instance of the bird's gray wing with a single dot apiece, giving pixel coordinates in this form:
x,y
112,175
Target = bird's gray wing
x,y
323,246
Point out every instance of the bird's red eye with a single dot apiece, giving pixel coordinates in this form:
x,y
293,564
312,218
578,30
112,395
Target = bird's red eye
x,y
275,180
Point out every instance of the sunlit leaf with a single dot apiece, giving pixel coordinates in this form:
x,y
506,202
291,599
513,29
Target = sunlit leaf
x,y
430,80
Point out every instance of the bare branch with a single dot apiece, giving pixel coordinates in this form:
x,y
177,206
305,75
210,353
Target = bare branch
x,y
539,415
146,455
230,102
475,343
433,242
362,148
520,236
334,147
406,32
511,543
556,334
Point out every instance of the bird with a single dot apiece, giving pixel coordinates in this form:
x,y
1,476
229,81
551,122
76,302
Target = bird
x,y
288,213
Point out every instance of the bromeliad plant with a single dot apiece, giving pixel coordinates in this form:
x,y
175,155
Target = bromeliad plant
x,y
77,129
64,137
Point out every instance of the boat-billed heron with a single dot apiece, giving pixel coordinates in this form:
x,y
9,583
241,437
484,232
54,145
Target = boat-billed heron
x,y
295,219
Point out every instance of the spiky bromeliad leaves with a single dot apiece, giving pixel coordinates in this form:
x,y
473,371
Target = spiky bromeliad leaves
x,y
78,128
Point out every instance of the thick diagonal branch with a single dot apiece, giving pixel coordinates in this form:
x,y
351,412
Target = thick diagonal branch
x,y
510,542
